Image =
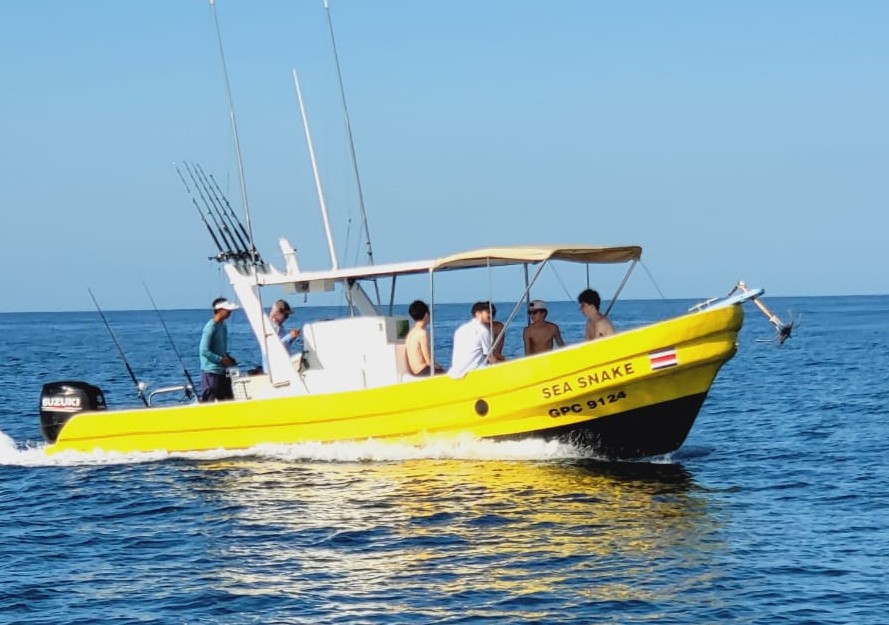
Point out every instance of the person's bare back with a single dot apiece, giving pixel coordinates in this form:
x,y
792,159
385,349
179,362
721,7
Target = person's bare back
x,y
416,343
416,348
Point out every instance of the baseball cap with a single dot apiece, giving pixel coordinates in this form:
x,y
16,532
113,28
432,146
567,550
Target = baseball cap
x,y
536,304
226,305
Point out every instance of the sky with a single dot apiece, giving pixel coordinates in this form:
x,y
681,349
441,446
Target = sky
x,y
731,140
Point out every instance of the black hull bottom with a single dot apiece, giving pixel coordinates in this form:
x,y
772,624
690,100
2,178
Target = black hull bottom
x,y
650,431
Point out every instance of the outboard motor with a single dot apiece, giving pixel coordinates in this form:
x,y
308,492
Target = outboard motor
x,y
59,401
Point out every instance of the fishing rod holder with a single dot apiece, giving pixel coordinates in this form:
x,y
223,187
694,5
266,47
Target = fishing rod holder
x,y
248,258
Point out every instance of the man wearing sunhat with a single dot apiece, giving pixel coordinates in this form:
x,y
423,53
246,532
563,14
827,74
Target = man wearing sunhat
x,y
215,384
540,334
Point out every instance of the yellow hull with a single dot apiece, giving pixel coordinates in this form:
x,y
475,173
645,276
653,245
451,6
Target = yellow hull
x,y
631,395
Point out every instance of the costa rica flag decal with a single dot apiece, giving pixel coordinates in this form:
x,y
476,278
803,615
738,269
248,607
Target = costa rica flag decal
x,y
663,358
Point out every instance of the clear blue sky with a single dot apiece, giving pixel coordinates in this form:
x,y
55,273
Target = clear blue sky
x,y
744,140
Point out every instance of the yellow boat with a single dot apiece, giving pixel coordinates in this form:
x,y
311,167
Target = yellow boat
x,y
634,394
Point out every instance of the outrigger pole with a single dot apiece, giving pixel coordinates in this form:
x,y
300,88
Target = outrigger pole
x,y
140,386
339,75
234,123
302,110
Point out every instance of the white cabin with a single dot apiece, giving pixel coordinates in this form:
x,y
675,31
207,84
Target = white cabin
x,y
338,355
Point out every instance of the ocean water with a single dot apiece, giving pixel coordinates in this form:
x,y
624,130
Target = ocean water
x,y
774,511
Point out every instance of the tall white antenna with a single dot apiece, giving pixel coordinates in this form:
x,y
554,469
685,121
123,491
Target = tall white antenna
x,y
302,110
231,109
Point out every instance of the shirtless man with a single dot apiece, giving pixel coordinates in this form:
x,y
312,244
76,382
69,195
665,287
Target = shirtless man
x,y
419,355
597,325
541,334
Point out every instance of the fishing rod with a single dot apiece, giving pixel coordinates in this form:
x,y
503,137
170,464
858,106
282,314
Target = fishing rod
x,y
222,253
220,212
221,202
140,386
232,212
189,390
229,253
222,228
220,207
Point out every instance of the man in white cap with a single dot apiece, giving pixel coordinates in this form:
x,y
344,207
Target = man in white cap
x,y
540,335
215,384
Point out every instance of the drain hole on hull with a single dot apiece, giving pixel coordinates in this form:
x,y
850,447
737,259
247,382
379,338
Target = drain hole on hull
x,y
481,407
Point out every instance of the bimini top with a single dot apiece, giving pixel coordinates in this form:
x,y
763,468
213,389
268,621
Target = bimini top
x,y
521,254
485,257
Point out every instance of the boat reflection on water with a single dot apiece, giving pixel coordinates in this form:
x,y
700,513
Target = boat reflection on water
x,y
489,531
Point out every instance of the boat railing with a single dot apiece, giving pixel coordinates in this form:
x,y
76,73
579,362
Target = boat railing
x,y
182,388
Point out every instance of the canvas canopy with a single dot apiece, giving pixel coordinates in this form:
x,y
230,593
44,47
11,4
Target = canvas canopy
x,y
485,257
514,255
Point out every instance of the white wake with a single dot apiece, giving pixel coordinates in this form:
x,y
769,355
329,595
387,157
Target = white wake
x,y
13,454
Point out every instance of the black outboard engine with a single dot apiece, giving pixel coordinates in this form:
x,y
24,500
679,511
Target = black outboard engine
x,y
59,401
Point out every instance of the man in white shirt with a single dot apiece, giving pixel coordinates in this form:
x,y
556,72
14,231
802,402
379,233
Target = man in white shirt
x,y
472,342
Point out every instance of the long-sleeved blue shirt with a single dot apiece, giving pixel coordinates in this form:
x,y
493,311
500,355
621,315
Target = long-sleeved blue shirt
x,y
214,346
283,333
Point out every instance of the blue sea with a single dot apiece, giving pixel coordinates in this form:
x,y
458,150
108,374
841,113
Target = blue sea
x,y
775,510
